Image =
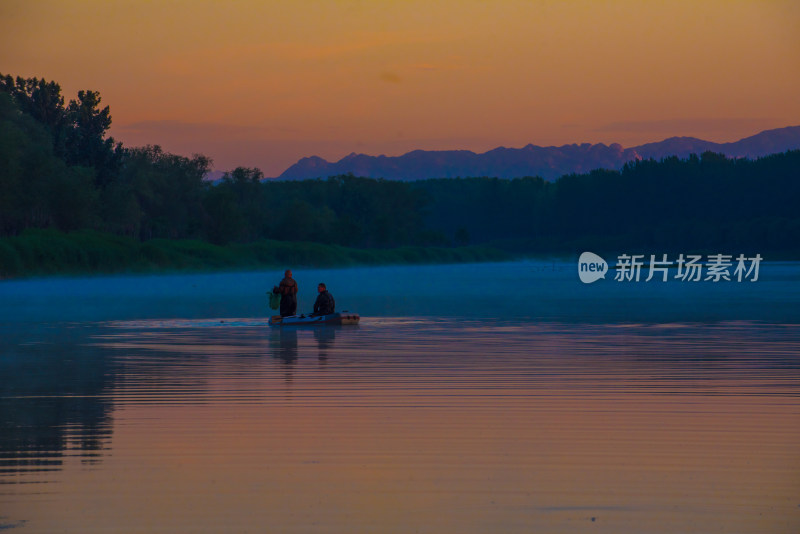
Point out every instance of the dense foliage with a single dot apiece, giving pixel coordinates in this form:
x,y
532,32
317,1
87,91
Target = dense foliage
x,y
47,252
59,171
706,202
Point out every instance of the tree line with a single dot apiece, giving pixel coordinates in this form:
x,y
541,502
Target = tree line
x,y
705,202
60,170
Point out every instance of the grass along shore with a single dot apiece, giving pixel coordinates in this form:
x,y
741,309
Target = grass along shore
x,y
50,252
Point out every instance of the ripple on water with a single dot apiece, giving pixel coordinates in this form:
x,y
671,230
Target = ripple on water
x,y
403,424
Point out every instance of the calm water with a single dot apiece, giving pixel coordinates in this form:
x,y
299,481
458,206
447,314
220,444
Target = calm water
x,y
473,398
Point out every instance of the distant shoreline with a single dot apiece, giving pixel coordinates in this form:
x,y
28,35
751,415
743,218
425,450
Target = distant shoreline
x,y
37,253
46,253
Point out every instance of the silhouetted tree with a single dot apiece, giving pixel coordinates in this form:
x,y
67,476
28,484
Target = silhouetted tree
x,y
85,141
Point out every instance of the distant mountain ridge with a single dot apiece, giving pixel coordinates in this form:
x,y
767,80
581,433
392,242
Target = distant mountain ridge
x,y
548,162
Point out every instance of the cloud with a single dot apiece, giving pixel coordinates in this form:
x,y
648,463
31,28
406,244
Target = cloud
x,y
355,45
200,129
390,77
232,145
688,125
435,66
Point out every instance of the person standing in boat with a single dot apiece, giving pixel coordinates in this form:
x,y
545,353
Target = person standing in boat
x,y
324,305
288,291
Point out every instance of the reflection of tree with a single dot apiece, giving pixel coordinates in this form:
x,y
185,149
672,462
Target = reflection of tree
x,y
53,399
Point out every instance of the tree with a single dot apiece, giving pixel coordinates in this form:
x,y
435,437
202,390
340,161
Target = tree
x,y
40,99
77,131
85,142
38,189
168,190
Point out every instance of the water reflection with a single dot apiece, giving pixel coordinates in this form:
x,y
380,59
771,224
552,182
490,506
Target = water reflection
x,y
54,401
325,337
283,342
403,424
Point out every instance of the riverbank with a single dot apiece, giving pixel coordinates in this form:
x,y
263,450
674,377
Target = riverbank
x,y
49,252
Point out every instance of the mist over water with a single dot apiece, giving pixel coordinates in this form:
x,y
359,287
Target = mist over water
x,y
471,398
525,290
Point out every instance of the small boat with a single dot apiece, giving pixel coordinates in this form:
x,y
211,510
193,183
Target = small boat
x,y
344,317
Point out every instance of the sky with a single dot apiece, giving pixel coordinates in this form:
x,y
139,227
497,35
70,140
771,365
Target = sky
x,y
265,83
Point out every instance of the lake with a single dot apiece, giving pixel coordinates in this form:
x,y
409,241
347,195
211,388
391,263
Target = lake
x,y
478,398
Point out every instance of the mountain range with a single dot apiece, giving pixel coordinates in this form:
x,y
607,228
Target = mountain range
x,y
531,160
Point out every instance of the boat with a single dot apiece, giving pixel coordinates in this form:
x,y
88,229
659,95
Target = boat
x,y
337,318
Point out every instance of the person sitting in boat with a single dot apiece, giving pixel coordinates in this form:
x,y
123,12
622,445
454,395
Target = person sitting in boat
x,y
288,291
324,305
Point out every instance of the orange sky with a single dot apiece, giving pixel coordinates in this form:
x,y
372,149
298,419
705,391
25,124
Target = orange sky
x,y
263,83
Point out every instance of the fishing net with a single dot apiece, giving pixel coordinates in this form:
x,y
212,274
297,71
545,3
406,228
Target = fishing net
x,y
274,300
